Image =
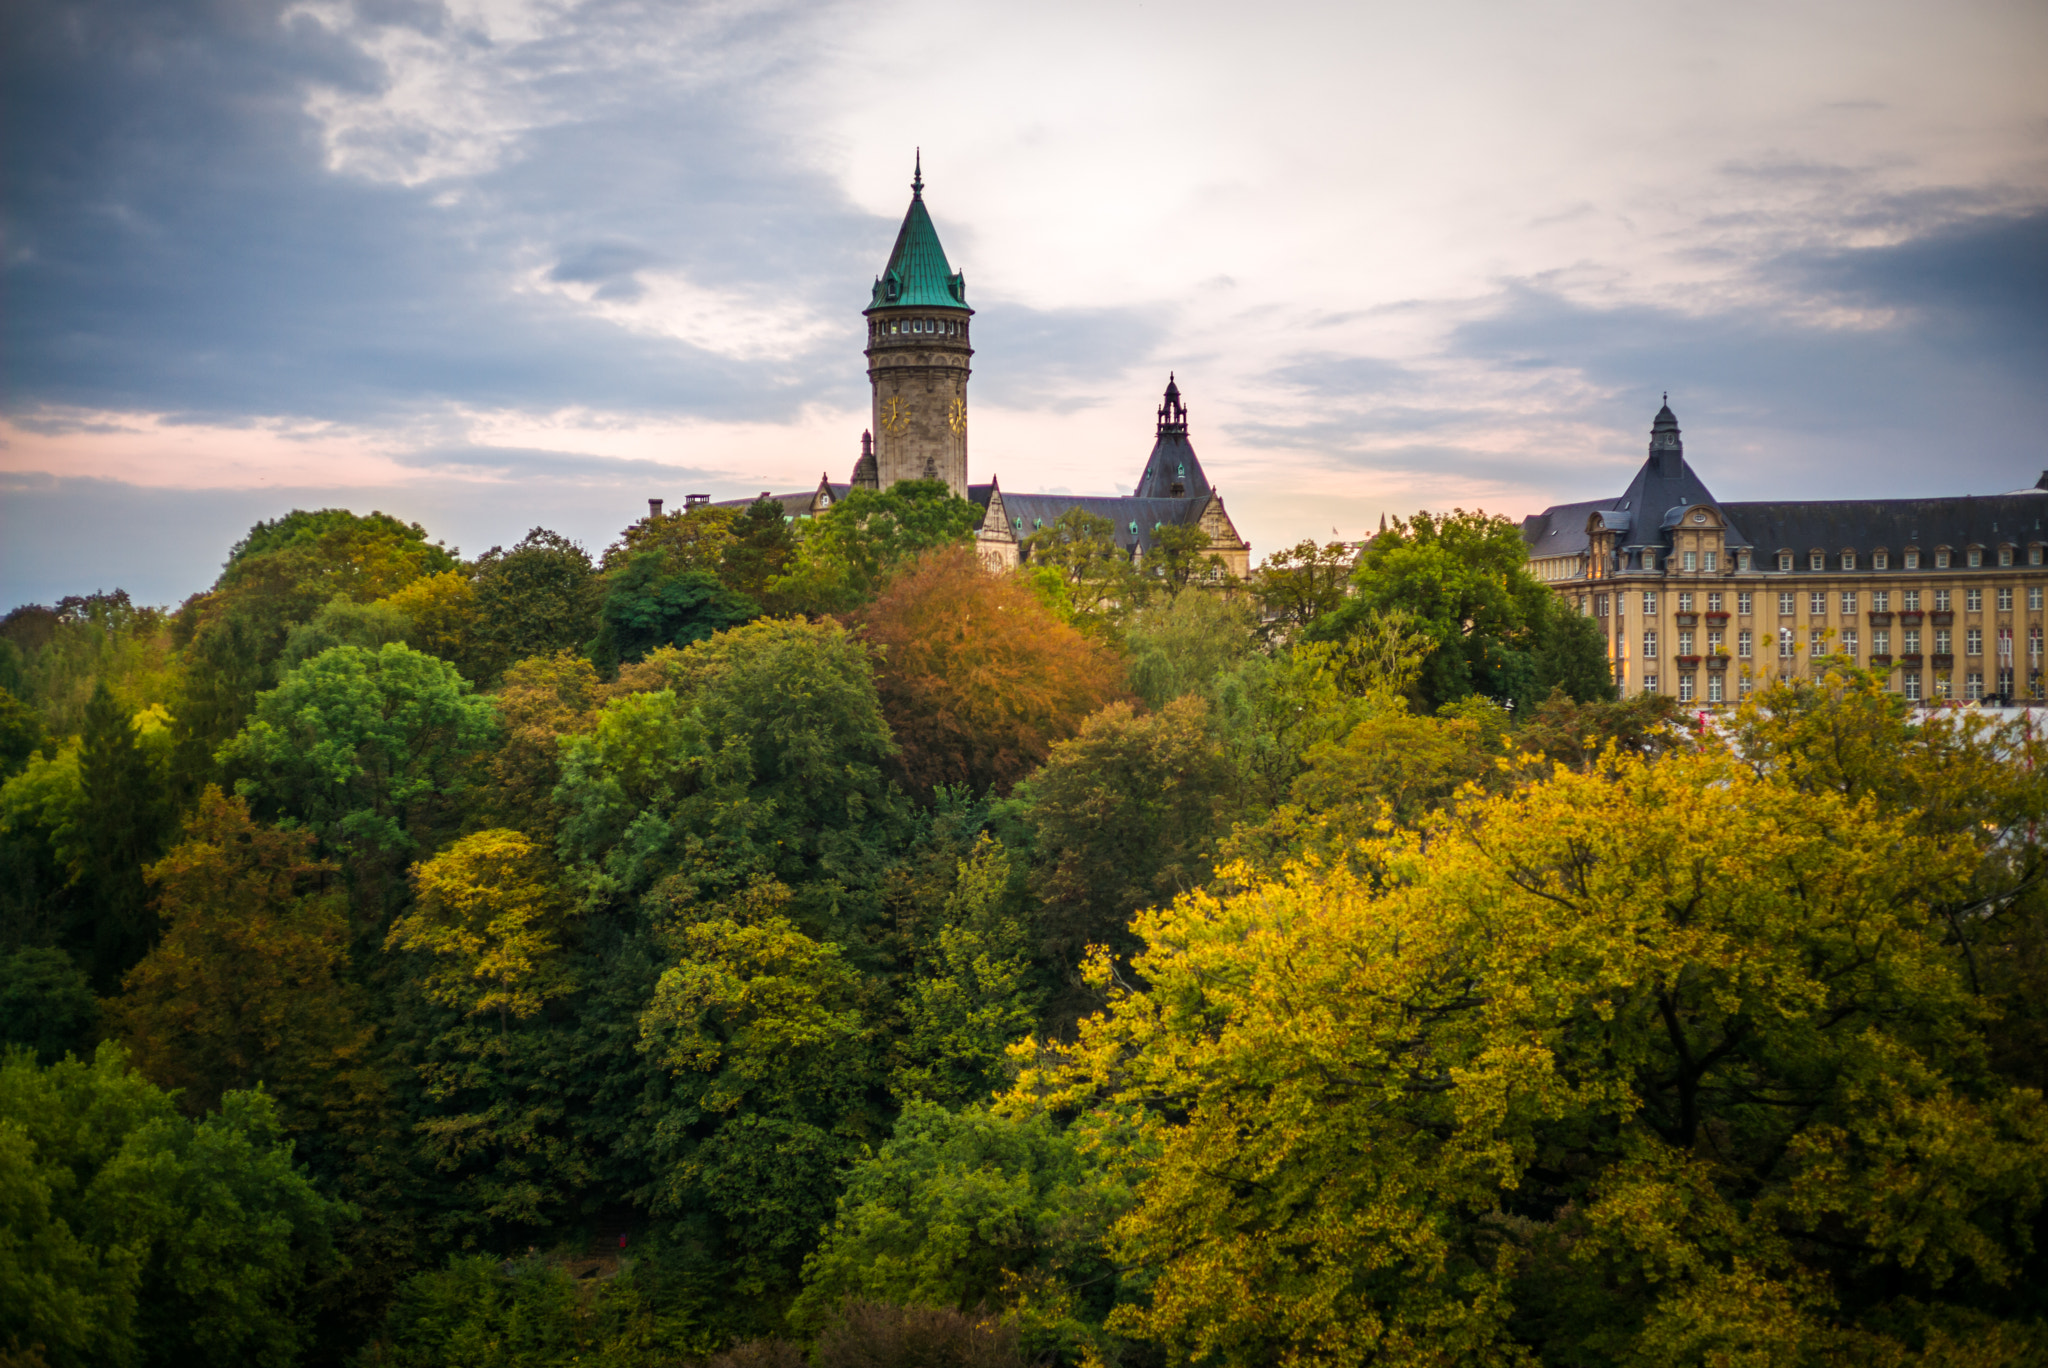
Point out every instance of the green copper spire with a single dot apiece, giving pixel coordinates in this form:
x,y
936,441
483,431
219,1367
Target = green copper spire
x,y
918,276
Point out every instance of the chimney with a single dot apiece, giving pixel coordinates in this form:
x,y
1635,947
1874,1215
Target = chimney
x,y
654,508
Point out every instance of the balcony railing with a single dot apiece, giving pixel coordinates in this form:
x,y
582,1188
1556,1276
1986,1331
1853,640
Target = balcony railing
x,y
1880,619
1943,619
1911,660
1910,619
1688,662
1943,662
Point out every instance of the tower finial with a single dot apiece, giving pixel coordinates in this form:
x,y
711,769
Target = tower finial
x,y
917,176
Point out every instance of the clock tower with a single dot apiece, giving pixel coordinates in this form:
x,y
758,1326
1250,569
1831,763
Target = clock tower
x,y
918,356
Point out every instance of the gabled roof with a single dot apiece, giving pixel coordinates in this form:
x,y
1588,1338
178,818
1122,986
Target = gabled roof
x,y
918,276
1173,461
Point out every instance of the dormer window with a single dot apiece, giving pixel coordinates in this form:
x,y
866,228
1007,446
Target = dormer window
x,y
2005,555
1879,560
1941,558
2034,554
1816,560
1848,560
1784,560
1976,556
1912,560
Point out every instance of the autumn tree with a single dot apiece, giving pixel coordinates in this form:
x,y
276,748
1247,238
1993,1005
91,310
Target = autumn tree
x,y
247,985
845,558
1670,1061
443,619
977,679
542,700
486,920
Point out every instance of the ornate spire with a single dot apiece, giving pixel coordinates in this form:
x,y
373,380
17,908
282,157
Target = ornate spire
x,y
1173,414
917,176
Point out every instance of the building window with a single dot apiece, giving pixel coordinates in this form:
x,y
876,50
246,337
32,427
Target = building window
x,y
2005,555
1973,600
1941,686
1742,644
1785,602
1912,685
2005,600
1713,603
1912,560
1599,605
1692,561
1973,641
1742,560
2034,599
1849,604
1912,598
1848,560
1912,641
1941,559
2004,647
1649,560
1817,605
1941,600
1649,645
1785,647
1878,560
2034,554
1743,602
1713,688
1816,560
2033,648
1881,601
1849,642
1685,603
1976,556
1713,560
1941,641
1880,641
1973,685
1784,560
1685,688
1817,643
1744,688
1685,643
2005,683
1649,604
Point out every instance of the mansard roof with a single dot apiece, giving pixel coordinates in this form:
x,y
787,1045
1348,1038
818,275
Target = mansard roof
x,y
1136,520
918,275
1173,460
1663,488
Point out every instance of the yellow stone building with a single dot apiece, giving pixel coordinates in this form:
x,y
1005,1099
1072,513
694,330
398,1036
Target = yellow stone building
x,y
1701,599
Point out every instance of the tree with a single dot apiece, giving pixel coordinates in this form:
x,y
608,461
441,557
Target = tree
x,y
773,1071
1180,559
539,598
974,1210
46,1004
542,700
21,734
487,918
1301,583
1124,816
685,538
761,549
341,622
970,996
977,679
129,1235
124,817
646,607
1183,645
1497,630
846,557
1670,1061
372,750
247,985
443,618
1075,562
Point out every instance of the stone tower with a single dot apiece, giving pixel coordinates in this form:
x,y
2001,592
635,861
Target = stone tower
x,y
917,357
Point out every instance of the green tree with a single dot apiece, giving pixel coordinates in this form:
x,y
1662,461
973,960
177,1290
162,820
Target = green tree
x,y
761,549
1496,629
1075,563
21,734
124,818
970,995
542,700
539,598
1124,816
646,607
845,557
1301,583
342,622
46,1003
1180,559
373,750
1183,645
131,1236
978,1210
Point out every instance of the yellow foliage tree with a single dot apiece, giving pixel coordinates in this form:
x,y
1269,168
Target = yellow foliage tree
x,y
487,917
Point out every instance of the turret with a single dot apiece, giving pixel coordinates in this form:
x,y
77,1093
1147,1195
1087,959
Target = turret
x,y
918,353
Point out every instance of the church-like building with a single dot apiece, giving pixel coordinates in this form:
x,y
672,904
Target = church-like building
x,y
919,349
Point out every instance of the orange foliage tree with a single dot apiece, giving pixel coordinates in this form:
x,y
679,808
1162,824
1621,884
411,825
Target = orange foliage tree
x,y
978,679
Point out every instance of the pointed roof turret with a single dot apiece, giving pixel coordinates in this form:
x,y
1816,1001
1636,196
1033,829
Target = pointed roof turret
x,y
1172,471
918,275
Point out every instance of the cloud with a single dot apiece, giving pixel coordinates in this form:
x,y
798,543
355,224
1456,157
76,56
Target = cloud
x,y
569,466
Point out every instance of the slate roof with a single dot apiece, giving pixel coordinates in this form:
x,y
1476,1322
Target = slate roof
x,y
1135,519
1173,460
1665,486
918,275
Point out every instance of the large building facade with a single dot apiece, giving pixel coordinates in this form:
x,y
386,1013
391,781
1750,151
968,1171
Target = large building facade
x,y
1703,600
919,349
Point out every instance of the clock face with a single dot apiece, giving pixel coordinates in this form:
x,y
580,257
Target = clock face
x,y
956,416
895,416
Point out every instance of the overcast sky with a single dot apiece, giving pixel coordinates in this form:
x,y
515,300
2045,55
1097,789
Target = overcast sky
x,y
499,265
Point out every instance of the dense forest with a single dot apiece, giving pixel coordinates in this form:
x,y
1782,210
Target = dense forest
x,y
781,943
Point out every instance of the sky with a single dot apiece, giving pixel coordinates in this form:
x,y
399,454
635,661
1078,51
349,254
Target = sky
x,y
498,264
